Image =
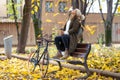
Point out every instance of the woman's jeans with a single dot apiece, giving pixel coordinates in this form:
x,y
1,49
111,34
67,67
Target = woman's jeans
x,y
62,42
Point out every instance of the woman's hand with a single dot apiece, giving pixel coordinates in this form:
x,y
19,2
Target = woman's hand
x,y
62,32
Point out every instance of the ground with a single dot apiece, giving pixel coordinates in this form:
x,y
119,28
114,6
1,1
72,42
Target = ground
x,y
100,58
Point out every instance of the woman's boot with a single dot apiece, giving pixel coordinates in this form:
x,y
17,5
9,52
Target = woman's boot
x,y
66,55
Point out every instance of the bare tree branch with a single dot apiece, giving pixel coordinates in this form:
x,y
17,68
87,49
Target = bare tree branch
x,y
15,17
115,8
85,7
90,6
101,10
81,5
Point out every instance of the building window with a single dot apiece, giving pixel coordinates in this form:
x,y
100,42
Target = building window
x,y
49,6
62,6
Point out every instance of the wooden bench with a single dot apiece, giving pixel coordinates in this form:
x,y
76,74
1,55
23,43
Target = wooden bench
x,y
82,51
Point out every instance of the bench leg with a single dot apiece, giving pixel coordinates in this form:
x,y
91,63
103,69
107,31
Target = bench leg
x,y
87,71
60,67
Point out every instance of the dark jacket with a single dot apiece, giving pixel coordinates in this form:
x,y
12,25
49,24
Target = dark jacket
x,y
73,32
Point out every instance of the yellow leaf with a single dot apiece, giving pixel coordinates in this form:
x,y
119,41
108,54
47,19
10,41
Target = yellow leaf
x,y
32,5
51,5
93,27
66,8
60,22
32,1
48,20
55,14
39,36
92,32
36,76
36,8
118,9
87,28
38,4
42,28
32,12
57,3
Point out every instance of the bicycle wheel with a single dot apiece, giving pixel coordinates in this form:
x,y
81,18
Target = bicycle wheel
x,y
33,60
44,64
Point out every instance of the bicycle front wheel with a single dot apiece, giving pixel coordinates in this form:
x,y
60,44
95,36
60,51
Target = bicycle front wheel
x,y
44,64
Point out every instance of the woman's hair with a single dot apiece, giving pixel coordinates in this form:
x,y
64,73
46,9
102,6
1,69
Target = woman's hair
x,y
79,14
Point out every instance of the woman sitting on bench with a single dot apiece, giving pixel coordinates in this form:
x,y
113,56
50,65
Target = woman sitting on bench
x,y
67,42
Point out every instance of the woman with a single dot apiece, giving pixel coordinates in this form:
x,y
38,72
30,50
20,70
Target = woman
x,y
67,42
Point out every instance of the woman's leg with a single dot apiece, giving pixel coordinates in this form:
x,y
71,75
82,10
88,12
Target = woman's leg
x,y
66,40
60,46
59,43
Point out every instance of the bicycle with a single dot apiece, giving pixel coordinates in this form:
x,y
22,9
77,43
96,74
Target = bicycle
x,y
41,59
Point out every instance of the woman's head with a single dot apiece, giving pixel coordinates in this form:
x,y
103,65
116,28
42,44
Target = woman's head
x,y
77,12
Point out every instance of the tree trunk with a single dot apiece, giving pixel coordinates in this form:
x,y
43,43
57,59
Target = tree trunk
x,y
37,21
36,26
25,27
108,34
108,24
75,4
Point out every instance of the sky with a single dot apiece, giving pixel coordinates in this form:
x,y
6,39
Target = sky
x,y
95,6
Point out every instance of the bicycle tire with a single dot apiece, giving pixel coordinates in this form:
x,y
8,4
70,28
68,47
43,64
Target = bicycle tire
x,y
33,60
44,64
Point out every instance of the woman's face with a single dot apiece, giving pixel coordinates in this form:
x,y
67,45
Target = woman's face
x,y
73,13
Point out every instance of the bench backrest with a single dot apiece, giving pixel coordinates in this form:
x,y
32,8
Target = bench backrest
x,y
82,50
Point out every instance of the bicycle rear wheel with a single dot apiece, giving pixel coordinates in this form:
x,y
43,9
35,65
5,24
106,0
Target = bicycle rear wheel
x,y
44,64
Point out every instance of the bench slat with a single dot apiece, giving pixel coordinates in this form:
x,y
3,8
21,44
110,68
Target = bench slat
x,y
81,50
77,55
83,45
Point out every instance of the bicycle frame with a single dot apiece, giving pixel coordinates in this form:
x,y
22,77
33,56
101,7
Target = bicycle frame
x,y
45,50
38,58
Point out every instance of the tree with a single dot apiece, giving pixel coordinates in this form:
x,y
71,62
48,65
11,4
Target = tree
x,y
15,17
108,21
25,27
13,13
36,16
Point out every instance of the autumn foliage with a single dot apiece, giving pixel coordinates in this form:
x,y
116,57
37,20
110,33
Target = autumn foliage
x,y
100,57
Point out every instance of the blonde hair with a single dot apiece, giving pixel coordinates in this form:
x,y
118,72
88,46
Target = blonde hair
x,y
79,14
